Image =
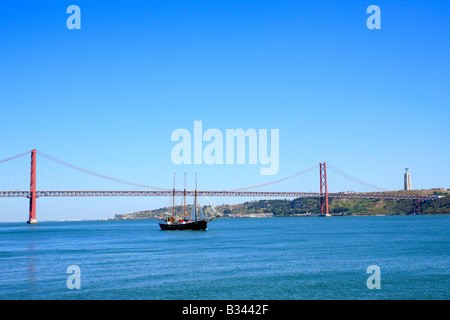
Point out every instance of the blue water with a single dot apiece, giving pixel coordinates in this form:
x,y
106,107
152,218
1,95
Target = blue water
x,y
271,258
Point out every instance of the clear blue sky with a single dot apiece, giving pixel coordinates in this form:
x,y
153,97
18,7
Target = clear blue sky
x,y
107,97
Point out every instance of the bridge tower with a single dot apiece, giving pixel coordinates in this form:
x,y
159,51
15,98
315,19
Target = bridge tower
x,y
323,189
32,217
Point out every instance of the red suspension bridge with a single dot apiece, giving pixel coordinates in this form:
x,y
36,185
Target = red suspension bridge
x,y
8,173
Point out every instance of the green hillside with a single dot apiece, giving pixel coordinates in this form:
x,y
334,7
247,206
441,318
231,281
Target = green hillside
x,y
337,206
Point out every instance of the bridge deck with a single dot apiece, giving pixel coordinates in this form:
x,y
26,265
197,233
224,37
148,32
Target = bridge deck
x,y
359,195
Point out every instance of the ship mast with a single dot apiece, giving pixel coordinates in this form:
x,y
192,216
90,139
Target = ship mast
x,y
195,197
184,205
173,198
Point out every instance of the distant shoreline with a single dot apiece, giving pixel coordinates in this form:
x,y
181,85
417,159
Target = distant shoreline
x,y
311,205
289,216
242,217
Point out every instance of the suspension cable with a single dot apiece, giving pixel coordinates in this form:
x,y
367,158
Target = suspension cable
x,y
353,179
97,174
276,181
16,156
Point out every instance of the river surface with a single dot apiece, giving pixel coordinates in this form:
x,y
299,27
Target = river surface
x,y
241,258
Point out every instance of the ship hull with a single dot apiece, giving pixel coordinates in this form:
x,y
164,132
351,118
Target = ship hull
x,y
193,225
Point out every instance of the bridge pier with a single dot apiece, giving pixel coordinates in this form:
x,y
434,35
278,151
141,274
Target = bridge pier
x,y
416,206
32,213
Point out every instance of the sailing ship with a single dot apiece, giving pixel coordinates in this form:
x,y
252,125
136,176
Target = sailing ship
x,y
197,221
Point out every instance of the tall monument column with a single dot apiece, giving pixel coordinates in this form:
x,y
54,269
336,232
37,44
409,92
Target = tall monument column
x,y
407,181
